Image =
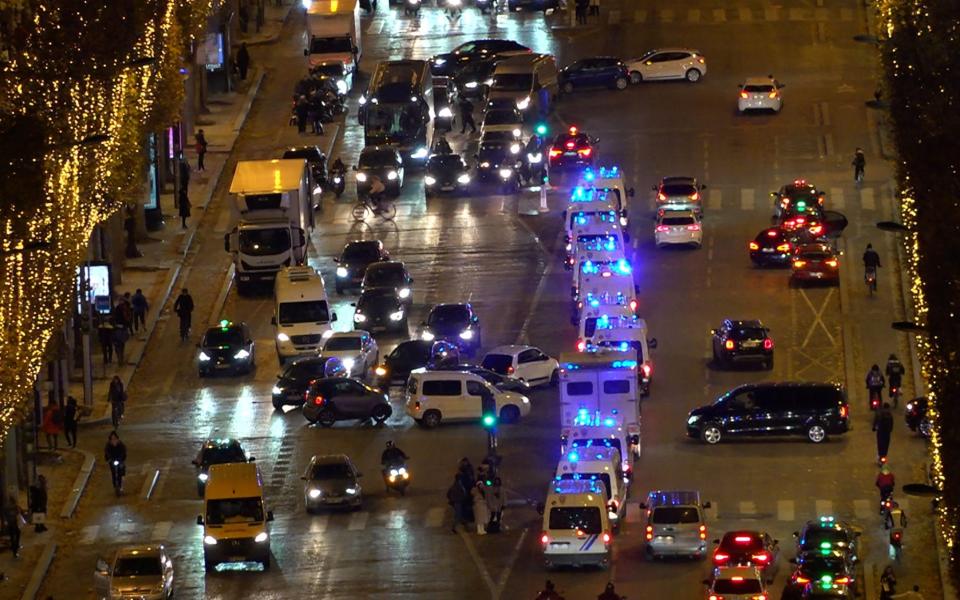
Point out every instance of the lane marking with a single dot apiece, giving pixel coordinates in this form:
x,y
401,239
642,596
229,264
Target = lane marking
x,y
358,521
818,317
714,200
693,15
319,524
161,531
748,507
745,14
836,199
639,16
435,516
785,510
666,15
746,199
824,508
867,199
522,334
482,568
505,574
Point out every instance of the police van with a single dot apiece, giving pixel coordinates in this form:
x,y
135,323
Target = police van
x,y
600,387
589,205
609,180
603,464
600,243
600,291
576,527
605,328
301,314
675,524
592,266
591,429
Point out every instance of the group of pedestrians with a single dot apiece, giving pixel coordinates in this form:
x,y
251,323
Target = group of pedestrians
x,y
585,8
129,316
477,497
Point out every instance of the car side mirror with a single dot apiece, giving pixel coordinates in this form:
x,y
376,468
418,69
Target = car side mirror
x,y
776,541
354,167
716,541
703,186
796,534
353,304
540,508
706,504
333,317
773,194
269,515
199,519
195,463
652,343
475,319
713,332
643,505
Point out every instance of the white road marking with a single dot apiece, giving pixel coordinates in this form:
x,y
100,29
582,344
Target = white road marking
x,y
867,199
746,199
505,574
824,508
862,509
748,507
161,531
836,199
785,510
484,573
719,15
358,520
395,520
435,516
714,200
89,534
319,524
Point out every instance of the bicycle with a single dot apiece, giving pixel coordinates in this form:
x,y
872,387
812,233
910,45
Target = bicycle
x,y
116,414
385,209
870,278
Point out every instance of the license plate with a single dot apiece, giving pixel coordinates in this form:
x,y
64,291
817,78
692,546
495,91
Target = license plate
x,y
817,275
446,188
767,250
752,344
666,539
569,153
559,544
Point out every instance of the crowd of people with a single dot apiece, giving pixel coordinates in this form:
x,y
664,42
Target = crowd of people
x,y
476,496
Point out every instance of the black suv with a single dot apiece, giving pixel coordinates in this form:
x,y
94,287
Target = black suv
x,y
217,451
227,346
814,410
742,342
354,259
293,382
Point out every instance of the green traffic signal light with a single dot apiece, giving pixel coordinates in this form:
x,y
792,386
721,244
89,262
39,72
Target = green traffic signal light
x,y
541,129
489,420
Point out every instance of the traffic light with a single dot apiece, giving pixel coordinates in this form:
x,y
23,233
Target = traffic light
x,y
489,420
488,408
541,129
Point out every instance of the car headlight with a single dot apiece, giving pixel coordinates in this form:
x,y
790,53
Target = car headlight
x,y
314,493
363,100
524,103
361,177
241,354
209,540
439,61
392,175
348,363
359,317
525,400
326,334
427,336
420,152
429,180
351,491
282,337
203,477
342,272
516,132
506,173
404,293
466,335
276,391
470,85
514,148
692,419
464,179
203,356
485,165
488,82
445,113
380,371
261,537
534,157
396,316
342,86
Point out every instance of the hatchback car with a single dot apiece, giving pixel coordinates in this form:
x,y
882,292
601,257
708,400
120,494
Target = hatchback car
x,y
383,161
674,227
415,354
815,262
455,322
772,246
357,350
450,63
292,384
572,149
668,63
217,451
736,583
679,193
144,572
354,259
227,346
748,548
380,309
340,399
829,533
390,274
737,342
331,481
829,567
446,173
601,71
760,93
526,363
800,216
503,119
799,191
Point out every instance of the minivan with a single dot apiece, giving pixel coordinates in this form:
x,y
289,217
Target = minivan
x,y
675,524
530,80
576,530
435,396
234,518
814,410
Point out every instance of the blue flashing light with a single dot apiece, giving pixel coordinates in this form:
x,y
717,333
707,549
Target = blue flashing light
x,y
624,346
826,519
577,195
588,175
615,411
583,414
573,457
589,267
608,422
581,220
623,266
570,366
594,302
624,364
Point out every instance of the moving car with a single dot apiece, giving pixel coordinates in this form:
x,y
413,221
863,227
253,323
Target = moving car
x,y
354,259
829,566
235,520
675,227
296,377
341,399
760,93
526,363
668,63
738,341
217,451
144,572
383,161
815,262
455,322
499,160
829,533
446,173
229,346
736,583
742,548
415,354
601,71
679,193
391,274
572,149
436,396
797,191
772,246
450,63
503,119
331,481
357,350
380,309
675,524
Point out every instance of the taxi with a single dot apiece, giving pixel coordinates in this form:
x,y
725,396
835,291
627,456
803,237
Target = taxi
x,y
799,190
227,346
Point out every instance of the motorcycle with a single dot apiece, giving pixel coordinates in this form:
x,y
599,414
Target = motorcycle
x,y
396,477
915,415
339,180
533,168
412,8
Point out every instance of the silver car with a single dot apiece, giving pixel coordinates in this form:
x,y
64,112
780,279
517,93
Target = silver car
x,y
675,524
143,572
331,481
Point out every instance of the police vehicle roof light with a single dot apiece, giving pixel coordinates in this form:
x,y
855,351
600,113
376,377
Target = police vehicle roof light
x,y
609,422
573,457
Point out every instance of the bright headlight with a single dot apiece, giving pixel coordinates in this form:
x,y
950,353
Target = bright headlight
x,y
241,354
392,175
471,85
351,491
514,148
314,493
341,86
429,180
363,100
276,391
485,165
464,179
534,157
445,113
466,335
453,3
427,336
396,316
342,271
524,103
380,371
203,356
506,173
261,537
516,132
404,293
209,540
525,400
282,337
693,419
361,177
439,61
418,153
203,476
348,363
359,317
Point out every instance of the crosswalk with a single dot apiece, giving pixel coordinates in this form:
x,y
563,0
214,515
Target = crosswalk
x,y
743,15
723,198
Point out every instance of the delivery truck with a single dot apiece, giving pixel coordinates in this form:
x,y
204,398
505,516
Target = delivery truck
x,y
333,34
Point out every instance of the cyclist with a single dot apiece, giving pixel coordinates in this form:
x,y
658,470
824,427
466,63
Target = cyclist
x,y
875,384
871,262
894,373
376,193
859,162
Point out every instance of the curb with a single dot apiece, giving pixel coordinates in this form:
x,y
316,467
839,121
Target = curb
x,y
79,485
247,103
40,572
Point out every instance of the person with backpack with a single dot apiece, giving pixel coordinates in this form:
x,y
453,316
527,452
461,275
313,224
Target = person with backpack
x,y
895,372
875,384
457,498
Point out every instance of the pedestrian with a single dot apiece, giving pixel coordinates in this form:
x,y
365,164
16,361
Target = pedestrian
x,y
124,309
609,593
243,60
481,515
201,145
913,594
595,8
301,109
38,504
582,11
466,474
494,495
457,498
466,115
117,397
183,207
12,516
52,424
70,418
883,425
184,309
105,335
120,338
140,308
888,583
315,112
859,163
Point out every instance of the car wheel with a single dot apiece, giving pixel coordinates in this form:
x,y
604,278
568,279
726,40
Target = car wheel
x,y
769,364
430,419
326,418
510,414
620,83
693,75
711,433
381,413
816,433
277,404
636,77
555,378
568,87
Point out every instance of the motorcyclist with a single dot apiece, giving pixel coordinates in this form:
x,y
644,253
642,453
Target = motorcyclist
x,y
533,153
115,454
894,371
392,456
549,592
338,168
875,383
609,593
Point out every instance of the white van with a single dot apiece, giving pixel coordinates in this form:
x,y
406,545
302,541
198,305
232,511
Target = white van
x,y
530,80
576,530
591,430
603,464
301,313
435,396
609,181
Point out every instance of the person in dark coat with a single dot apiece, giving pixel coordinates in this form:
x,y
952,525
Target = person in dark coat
x,y
105,336
38,504
183,207
120,338
581,9
70,419
466,115
184,309
201,142
883,425
457,497
140,308
243,60
11,521
302,109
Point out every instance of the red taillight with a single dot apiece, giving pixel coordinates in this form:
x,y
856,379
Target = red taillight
x,y
798,264
647,369
790,224
585,151
661,197
729,344
555,153
816,229
844,410
633,305
715,597
694,227
744,95
662,229
544,539
768,344
785,247
606,538
510,369
695,196
831,263
416,405
763,557
649,532
571,145
573,130
754,246
720,558
842,580
319,400
802,579
581,345
743,539
772,233
703,532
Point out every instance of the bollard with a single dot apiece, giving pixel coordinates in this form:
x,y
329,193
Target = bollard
x,y
543,196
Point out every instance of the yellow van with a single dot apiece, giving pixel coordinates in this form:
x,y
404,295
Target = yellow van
x,y
234,519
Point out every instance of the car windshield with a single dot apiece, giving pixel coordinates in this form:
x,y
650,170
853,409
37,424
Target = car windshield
x,y
303,370
498,363
223,454
234,510
336,344
501,117
377,159
818,539
675,514
329,69
445,161
383,275
448,315
330,471
341,45
677,221
137,566
676,189
378,300
758,89
224,336
513,82
604,477
748,333
576,518
361,253
737,586
311,311
264,242
602,442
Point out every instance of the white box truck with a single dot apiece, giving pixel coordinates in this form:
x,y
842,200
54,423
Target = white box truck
x,y
333,34
271,209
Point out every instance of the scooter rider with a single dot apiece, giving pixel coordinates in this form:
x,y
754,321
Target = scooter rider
x,y
393,456
534,163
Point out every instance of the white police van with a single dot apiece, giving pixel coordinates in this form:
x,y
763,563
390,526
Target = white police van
x,y
610,181
576,527
603,464
591,429
618,329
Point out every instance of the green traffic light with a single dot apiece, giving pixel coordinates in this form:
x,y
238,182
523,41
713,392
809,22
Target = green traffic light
x,y
541,129
489,420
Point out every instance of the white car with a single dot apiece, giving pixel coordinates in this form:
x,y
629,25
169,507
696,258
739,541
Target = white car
x,y
503,119
356,349
668,63
136,572
526,363
760,93
678,227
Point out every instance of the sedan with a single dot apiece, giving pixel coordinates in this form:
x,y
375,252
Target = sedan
x,y
354,259
668,63
602,71
356,349
384,162
503,119
572,149
227,346
217,451
292,384
748,548
450,63
772,246
678,227
742,341
338,399
797,192
390,274
829,533
526,363
815,262
380,309
818,567
679,192
760,93
144,572
331,481
414,354
736,583
456,323
446,173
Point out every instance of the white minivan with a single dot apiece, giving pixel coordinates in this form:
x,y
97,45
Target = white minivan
x,y
301,313
603,464
433,397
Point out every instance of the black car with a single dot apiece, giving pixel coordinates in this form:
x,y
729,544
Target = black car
x,y
384,162
826,591
814,410
772,247
354,260
450,63
380,309
391,274
229,346
337,73
414,354
471,80
543,5
343,399
455,323
800,215
499,160
501,382
572,149
217,451
828,533
736,342
315,158
601,71
292,383
797,192
826,566
446,173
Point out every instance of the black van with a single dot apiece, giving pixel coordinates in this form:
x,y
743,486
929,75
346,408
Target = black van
x,y
814,410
